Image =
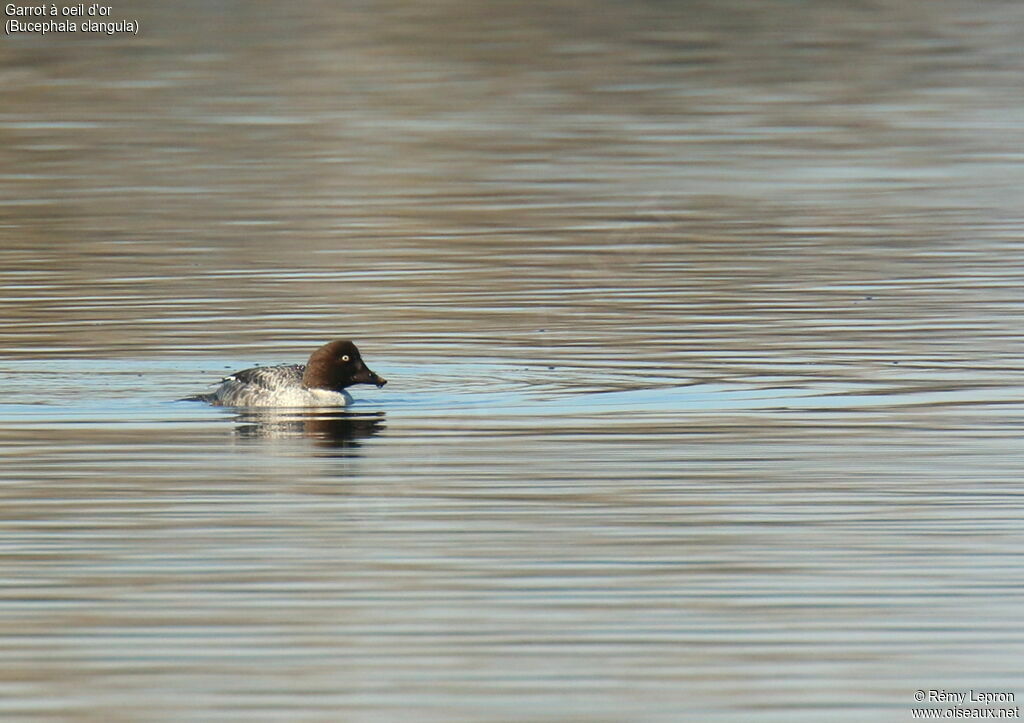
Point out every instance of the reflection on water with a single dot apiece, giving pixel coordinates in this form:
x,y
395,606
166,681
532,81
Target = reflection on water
x,y
701,325
330,428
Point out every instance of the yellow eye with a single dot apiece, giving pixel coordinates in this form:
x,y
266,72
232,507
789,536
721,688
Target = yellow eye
x,y
344,357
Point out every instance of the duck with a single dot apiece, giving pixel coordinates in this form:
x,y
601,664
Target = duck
x,y
320,382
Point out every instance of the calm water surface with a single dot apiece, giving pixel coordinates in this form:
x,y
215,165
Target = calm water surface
x,y
702,327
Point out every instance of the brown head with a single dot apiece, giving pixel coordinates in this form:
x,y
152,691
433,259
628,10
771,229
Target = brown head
x,y
338,365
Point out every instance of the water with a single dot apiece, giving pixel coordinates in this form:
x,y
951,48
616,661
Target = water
x,y
701,326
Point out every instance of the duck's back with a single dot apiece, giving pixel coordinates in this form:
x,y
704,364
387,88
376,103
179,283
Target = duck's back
x,y
273,377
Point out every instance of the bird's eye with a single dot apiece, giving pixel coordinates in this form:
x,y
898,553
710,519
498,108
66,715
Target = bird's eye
x,y
344,357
